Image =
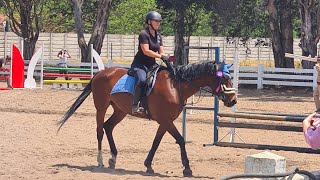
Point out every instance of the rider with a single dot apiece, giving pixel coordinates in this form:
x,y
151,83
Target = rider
x,y
150,47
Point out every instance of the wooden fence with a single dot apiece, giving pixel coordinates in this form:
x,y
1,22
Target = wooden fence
x,y
124,47
259,76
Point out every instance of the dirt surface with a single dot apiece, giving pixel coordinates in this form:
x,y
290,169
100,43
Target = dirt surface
x,y
30,147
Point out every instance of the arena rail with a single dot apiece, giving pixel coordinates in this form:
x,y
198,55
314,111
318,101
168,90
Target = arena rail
x,y
266,116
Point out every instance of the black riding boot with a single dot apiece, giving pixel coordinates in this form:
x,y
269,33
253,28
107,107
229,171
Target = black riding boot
x,y
136,98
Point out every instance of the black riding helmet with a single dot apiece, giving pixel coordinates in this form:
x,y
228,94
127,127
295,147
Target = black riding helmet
x,y
153,15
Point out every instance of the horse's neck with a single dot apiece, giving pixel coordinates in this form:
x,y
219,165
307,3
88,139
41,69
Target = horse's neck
x,y
189,88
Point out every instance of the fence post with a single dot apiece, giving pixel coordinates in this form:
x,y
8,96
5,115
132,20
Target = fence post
x,y
5,43
107,36
121,46
50,46
134,44
260,77
65,40
314,78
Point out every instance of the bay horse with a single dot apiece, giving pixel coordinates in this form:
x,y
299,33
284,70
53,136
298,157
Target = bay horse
x,y
165,103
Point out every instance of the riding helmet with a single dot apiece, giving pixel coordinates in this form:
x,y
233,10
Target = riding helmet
x,y
153,15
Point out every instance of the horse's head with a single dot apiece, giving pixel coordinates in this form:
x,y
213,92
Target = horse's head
x,y
223,86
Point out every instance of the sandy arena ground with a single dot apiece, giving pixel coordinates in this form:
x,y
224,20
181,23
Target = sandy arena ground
x,y
30,147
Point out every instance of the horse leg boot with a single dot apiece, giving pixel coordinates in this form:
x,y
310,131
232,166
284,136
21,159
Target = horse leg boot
x,y
136,98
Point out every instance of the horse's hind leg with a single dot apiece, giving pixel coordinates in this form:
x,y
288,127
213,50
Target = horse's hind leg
x,y
185,161
100,115
108,126
160,132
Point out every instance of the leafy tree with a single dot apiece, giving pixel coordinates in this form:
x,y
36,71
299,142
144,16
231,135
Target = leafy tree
x,y
24,17
185,22
281,26
310,29
57,17
125,19
99,28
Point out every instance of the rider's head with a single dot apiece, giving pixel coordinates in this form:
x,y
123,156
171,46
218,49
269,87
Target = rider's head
x,y
153,20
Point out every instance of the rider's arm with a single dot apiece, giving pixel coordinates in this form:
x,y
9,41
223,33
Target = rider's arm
x,y
161,51
145,49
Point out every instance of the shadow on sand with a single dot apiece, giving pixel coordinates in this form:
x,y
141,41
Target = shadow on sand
x,y
120,172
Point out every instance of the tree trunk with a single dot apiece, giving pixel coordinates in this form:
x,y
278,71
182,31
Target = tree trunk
x,y
99,29
28,28
285,14
278,51
179,38
308,40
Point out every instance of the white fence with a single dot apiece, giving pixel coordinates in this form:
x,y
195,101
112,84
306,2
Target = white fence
x,y
261,76
124,47
258,76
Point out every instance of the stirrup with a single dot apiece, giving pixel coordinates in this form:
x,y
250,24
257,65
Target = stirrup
x,y
137,110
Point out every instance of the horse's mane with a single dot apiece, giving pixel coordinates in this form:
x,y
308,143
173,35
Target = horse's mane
x,y
194,71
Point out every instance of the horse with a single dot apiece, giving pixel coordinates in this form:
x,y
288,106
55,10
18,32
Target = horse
x,y
165,103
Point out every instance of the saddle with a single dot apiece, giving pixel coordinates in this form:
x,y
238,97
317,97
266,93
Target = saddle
x,y
150,79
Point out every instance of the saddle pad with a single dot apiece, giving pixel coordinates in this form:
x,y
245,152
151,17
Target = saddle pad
x,y
125,84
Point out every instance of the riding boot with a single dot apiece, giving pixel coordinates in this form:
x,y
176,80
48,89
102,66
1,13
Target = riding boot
x,y
136,98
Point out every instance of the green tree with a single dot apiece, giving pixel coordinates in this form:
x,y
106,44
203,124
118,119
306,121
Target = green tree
x,y
310,29
99,25
24,18
127,17
186,17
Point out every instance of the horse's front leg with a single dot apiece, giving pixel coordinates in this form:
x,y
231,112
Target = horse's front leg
x,y
157,139
184,158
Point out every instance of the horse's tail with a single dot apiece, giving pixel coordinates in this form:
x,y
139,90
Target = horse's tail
x,y
85,93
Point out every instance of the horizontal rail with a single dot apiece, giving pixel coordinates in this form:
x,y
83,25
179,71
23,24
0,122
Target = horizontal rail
x,y
199,108
67,69
263,117
67,75
300,57
275,114
260,126
67,81
269,147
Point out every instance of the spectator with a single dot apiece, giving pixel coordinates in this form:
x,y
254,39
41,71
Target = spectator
x,y
316,92
311,131
5,61
5,77
63,59
63,56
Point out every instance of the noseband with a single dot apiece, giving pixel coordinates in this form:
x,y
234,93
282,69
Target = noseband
x,y
222,89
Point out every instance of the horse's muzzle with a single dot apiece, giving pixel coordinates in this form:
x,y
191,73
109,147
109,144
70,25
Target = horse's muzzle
x,y
230,103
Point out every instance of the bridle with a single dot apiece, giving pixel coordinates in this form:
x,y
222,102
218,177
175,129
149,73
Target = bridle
x,y
221,89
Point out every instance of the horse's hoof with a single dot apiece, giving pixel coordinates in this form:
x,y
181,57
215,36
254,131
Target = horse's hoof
x,y
112,164
150,171
187,172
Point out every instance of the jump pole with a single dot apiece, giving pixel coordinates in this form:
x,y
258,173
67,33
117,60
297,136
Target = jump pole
x,y
300,57
215,102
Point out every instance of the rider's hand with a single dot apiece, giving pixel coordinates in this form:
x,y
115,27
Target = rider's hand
x,y
165,58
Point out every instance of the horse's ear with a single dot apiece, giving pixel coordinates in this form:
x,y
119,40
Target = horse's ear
x,y
229,66
172,58
222,65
